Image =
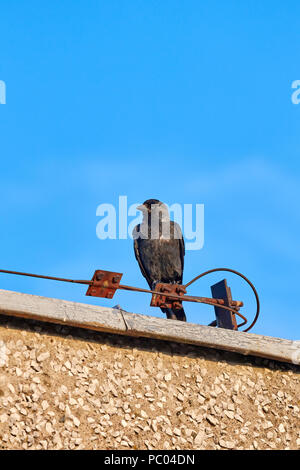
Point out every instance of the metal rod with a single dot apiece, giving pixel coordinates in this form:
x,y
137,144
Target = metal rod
x,y
202,300
47,277
187,298
129,288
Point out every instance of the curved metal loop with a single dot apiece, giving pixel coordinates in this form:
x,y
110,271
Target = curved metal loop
x,y
245,279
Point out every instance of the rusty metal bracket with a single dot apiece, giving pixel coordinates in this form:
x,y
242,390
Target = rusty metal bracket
x,y
164,301
104,284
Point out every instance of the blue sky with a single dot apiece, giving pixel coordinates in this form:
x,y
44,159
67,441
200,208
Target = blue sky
x,y
187,102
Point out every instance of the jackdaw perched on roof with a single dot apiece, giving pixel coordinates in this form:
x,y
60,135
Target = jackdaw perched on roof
x,y
159,249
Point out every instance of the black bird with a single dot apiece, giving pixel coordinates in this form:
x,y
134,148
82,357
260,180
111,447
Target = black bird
x,y
159,249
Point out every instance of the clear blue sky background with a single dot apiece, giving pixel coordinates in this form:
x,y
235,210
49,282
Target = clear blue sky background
x,y
188,102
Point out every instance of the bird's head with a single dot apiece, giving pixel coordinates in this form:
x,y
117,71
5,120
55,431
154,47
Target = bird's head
x,y
153,208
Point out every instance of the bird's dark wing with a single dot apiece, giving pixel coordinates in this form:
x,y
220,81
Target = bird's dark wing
x,y
178,235
138,257
182,251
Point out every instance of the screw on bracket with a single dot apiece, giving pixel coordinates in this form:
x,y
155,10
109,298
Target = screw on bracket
x,y
104,284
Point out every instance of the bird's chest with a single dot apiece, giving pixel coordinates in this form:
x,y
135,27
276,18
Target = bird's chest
x,y
161,258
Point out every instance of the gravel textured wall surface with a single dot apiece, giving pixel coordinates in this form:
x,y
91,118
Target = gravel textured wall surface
x,y
66,388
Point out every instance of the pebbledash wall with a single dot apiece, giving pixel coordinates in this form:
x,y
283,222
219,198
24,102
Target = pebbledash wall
x,y
67,388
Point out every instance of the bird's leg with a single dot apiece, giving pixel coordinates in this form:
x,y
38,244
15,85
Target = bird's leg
x,y
170,314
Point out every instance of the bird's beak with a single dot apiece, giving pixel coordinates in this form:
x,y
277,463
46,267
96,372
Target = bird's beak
x,y
141,208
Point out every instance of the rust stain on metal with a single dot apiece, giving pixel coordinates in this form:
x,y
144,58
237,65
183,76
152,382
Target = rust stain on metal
x,y
164,300
104,284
